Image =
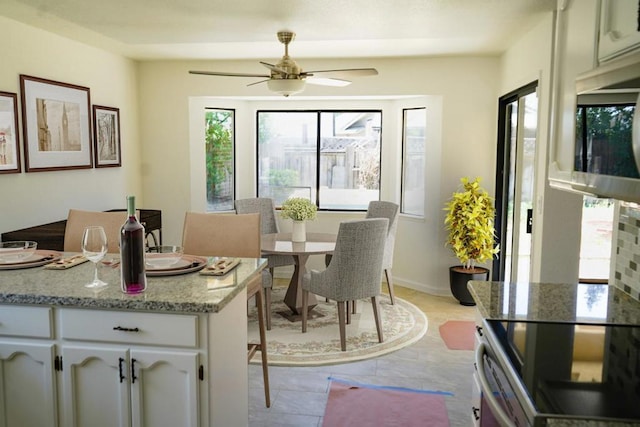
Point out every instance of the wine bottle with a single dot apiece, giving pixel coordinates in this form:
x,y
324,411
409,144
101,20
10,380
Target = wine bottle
x,y
132,239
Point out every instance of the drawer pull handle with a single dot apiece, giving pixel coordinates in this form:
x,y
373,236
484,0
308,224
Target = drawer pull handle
x,y
120,328
120,368
133,371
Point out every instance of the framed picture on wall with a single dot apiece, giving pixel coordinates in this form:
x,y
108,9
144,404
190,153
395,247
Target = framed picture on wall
x,y
106,137
9,139
56,125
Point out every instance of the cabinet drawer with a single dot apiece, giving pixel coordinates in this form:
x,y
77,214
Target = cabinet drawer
x,y
23,321
173,330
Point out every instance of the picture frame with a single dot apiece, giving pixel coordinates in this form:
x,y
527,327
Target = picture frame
x,y
106,137
9,137
56,125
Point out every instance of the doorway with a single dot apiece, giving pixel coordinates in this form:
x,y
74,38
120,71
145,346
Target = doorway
x,y
515,179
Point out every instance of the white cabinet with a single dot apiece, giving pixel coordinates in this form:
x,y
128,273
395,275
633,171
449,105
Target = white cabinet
x,y
27,384
124,384
119,386
618,28
95,387
164,389
27,375
65,366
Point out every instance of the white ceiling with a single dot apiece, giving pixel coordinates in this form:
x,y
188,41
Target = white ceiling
x,y
246,29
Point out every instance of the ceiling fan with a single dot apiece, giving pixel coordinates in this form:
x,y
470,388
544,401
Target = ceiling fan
x,y
287,78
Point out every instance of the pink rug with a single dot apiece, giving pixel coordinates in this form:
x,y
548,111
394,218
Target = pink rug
x,y
458,334
352,404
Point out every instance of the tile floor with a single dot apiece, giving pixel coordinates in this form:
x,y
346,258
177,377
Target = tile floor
x,y
299,394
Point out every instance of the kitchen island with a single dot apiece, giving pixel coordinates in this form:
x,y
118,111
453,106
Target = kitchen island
x,y
556,354
174,355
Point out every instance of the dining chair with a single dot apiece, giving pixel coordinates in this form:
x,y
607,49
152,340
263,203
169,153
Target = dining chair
x,y
389,210
230,235
78,220
268,225
354,272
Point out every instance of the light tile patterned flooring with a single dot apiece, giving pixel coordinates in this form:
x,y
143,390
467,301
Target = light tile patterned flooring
x,y
299,394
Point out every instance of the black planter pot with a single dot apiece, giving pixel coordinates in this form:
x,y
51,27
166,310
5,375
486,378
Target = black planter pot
x,y
458,278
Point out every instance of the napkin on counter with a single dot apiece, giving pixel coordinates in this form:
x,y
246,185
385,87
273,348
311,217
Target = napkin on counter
x,y
64,263
220,266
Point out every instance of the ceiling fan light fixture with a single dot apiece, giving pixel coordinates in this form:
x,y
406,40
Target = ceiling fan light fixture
x,y
286,87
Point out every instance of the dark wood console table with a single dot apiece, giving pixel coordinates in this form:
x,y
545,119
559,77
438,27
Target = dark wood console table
x,y
51,236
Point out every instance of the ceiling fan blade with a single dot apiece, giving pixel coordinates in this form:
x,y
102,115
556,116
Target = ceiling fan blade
x,y
257,83
344,73
274,68
217,73
322,81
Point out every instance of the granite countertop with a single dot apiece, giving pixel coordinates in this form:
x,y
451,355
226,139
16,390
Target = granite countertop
x,y
555,302
190,293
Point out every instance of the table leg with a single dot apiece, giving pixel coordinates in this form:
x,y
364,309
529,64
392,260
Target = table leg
x,y
293,298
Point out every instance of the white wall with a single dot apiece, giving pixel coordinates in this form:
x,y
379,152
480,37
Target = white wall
x,y
466,88
34,198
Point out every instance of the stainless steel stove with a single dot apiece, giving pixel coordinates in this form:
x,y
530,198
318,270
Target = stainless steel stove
x,y
545,373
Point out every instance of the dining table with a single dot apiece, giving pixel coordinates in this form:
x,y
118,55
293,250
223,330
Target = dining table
x,y
281,244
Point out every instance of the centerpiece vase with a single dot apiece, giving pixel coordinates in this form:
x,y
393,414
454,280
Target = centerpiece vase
x,y
299,231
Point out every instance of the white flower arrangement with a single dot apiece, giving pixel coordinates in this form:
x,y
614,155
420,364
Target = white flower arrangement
x,y
298,209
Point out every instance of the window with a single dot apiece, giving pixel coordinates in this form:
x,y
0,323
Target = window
x,y
414,123
219,158
604,141
331,157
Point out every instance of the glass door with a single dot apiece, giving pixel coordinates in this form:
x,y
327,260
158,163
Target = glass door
x,y
515,179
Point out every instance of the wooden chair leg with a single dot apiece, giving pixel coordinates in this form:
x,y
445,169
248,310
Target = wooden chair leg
x,y
267,307
389,277
348,311
343,329
305,314
263,347
376,314
354,307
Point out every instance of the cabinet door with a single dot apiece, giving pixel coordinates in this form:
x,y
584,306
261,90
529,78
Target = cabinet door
x,y
95,384
27,385
618,28
164,388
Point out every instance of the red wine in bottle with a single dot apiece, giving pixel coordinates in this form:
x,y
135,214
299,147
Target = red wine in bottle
x,y
132,242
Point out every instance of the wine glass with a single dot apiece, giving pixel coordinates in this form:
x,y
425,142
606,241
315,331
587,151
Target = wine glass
x,y
94,248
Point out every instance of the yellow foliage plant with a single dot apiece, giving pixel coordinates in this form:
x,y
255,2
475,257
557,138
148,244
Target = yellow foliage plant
x,y
470,224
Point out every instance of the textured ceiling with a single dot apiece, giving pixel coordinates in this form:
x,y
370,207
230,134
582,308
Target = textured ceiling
x,y
245,29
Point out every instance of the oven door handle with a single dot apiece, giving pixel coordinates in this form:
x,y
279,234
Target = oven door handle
x,y
501,416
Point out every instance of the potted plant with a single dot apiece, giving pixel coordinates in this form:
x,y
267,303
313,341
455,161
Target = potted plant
x,y
299,210
470,224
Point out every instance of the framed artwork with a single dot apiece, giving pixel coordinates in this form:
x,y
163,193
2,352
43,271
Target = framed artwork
x,y
56,125
9,139
106,137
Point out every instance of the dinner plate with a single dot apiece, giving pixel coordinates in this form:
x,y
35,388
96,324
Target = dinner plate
x,y
40,257
187,264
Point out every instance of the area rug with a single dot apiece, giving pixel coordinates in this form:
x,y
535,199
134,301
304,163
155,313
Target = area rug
x,y
352,404
402,324
458,334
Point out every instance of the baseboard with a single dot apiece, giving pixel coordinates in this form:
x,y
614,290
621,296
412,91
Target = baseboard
x,y
286,272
